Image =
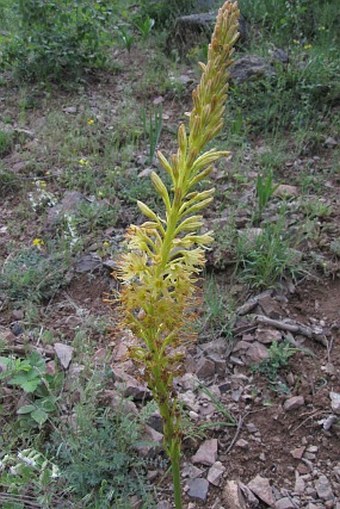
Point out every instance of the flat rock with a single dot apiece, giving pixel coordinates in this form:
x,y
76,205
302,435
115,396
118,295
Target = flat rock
x,y
335,402
297,453
267,336
198,489
151,444
261,487
250,67
207,453
270,307
285,503
257,352
215,473
233,497
88,263
205,368
293,403
64,354
286,191
323,488
68,205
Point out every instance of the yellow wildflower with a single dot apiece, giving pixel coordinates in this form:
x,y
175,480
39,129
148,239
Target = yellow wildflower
x,y
83,162
38,242
90,121
106,244
307,46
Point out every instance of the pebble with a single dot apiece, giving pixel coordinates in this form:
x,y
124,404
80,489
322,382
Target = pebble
x,y
215,473
323,488
293,403
198,489
207,453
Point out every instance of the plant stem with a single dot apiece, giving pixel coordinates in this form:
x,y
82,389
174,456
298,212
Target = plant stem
x,y
176,477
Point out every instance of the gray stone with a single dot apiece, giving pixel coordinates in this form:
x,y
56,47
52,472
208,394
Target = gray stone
x,y
129,386
207,453
215,473
262,489
88,263
267,336
280,55
242,444
300,485
68,205
64,354
284,503
257,352
335,402
323,488
286,191
233,497
205,368
331,142
293,403
251,67
151,444
164,505
198,489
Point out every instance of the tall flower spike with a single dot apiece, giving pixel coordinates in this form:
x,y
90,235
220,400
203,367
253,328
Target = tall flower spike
x,y
165,254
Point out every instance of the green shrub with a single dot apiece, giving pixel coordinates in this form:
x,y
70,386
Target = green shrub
x,y
59,38
6,142
98,461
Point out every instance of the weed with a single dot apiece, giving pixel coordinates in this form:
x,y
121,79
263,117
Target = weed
x,y
268,257
10,183
98,461
218,318
32,275
279,355
317,209
126,37
6,143
152,125
145,26
265,189
30,375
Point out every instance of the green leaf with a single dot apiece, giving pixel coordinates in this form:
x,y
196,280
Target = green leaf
x,y
39,416
26,409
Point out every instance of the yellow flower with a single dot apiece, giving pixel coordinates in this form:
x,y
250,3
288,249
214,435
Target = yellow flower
x,y
295,41
106,244
38,242
83,162
90,121
307,46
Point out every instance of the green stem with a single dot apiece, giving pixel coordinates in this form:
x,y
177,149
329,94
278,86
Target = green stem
x,y
176,475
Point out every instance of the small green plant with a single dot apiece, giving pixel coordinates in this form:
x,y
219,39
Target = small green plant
x,y
126,37
25,474
279,355
33,275
145,26
9,183
98,460
264,191
152,126
218,318
166,253
30,375
6,143
267,257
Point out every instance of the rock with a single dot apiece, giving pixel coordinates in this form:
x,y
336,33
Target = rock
x,y
323,488
250,67
286,191
164,505
17,314
220,364
205,368
280,55
188,382
293,403
129,386
257,352
215,473
242,444
285,503
270,308
233,497
300,485
152,443
198,489
191,471
70,109
331,142
217,346
335,402
64,354
189,400
267,336
297,453
68,205
126,406
16,328
262,489
207,453
88,263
